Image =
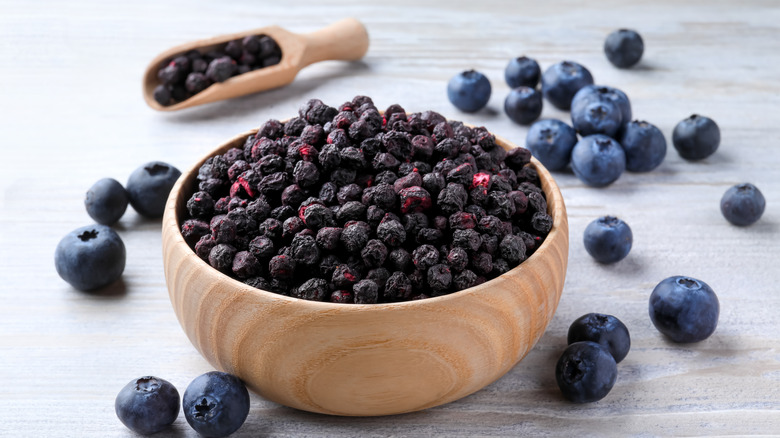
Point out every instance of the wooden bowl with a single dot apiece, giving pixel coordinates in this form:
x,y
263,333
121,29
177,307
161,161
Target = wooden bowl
x,y
363,359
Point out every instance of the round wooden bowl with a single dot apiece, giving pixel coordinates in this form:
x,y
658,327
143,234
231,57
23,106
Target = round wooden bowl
x,y
363,359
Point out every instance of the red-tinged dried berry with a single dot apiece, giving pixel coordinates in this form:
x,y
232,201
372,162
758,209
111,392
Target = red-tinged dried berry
x,y
344,276
463,174
342,296
271,228
281,267
204,246
291,227
317,216
411,179
462,221
193,229
223,230
414,199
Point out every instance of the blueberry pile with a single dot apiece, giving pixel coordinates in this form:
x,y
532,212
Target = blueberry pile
x,y
192,72
351,206
215,404
92,257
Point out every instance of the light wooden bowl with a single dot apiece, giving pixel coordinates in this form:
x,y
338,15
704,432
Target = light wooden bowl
x,y
367,359
345,40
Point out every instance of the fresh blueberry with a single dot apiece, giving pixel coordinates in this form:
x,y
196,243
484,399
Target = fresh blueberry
x,y
598,160
216,404
696,137
684,309
608,239
523,105
596,118
742,204
522,72
106,201
551,142
147,405
561,81
149,186
469,91
602,329
601,93
585,372
624,48
90,257
644,145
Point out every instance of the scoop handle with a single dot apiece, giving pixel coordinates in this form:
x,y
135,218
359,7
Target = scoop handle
x,y
344,40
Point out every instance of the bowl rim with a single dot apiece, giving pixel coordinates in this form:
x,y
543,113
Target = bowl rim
x,y
176,202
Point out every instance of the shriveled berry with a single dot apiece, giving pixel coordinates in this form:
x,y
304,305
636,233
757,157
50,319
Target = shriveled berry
x,y
281,267
398,287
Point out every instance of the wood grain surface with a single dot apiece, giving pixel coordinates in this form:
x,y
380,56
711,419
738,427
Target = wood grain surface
x,y
73,112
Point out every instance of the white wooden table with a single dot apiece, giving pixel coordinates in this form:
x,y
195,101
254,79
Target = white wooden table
x,y
71,113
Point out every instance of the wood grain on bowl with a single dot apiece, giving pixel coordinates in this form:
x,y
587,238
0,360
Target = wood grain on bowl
x,y
374,359
345,40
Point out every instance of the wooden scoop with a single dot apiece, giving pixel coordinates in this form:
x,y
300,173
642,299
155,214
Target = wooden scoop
x,y
345,40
